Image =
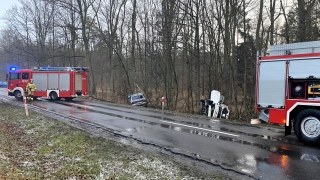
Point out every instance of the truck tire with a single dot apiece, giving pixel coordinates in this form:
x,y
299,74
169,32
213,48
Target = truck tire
x,y
307,126
18,95
54,96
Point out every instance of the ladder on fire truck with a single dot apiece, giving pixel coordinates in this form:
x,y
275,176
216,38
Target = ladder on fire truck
x,y
60,69
295,48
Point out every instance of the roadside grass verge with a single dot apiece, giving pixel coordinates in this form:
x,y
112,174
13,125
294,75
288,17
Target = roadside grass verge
x,y
39,147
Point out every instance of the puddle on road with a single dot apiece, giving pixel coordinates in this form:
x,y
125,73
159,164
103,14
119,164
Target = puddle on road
x,y
282,149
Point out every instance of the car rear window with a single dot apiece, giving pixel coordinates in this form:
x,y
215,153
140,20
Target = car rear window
x,y
137,97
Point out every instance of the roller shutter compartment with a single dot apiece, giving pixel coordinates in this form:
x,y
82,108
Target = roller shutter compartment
x,y
272,78
40,80
64,82
303,68
78,82
53,81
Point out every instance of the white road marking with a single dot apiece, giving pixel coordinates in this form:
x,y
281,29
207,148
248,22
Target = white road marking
x,y
200,128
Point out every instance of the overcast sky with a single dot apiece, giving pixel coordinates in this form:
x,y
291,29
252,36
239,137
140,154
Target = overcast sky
x,y
5,5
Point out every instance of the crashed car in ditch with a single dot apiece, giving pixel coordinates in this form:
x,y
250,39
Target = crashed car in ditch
x,y
214,106
137,99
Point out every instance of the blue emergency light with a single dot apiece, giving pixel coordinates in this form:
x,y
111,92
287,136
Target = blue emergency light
x,y
13,68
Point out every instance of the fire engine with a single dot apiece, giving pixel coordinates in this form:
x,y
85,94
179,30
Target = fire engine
x,y
52,83
288,88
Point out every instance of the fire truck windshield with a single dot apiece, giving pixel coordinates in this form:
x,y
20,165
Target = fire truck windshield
x,y
14,76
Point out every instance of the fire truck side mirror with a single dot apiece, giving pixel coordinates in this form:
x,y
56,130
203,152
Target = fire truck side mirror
x,y
6,77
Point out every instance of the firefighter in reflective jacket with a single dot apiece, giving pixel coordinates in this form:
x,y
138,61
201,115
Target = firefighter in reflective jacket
x,y
31,88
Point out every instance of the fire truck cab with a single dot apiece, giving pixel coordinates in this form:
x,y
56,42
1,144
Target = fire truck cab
x,y
288,89
51,83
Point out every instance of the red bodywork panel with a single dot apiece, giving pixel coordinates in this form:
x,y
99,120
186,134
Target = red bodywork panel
x,y
277,116
85,89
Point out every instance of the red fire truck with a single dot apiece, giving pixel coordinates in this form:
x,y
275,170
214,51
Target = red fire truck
x,y
288,89
52,83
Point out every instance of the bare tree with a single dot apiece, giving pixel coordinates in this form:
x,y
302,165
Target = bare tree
x,y
258,39
110,15
83,10
168,10
32,24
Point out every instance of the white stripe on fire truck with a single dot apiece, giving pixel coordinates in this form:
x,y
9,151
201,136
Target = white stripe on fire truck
x,y
200,128
297,104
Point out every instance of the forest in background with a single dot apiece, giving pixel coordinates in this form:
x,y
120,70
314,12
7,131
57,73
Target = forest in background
x,y
179,49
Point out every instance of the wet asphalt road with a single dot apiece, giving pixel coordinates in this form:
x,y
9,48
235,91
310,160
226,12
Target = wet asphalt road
x,y
264,153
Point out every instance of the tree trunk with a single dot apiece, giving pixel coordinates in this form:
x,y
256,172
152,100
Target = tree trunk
x,y
83,8
226,41
272,13
233,60
197,57
301,37
133,43
169,13
245,60
258,43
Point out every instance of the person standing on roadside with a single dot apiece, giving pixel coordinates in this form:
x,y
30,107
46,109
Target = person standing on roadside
x,y
31,88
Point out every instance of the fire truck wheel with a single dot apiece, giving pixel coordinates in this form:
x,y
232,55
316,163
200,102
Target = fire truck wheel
x,y
54,96
307,126
18,95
